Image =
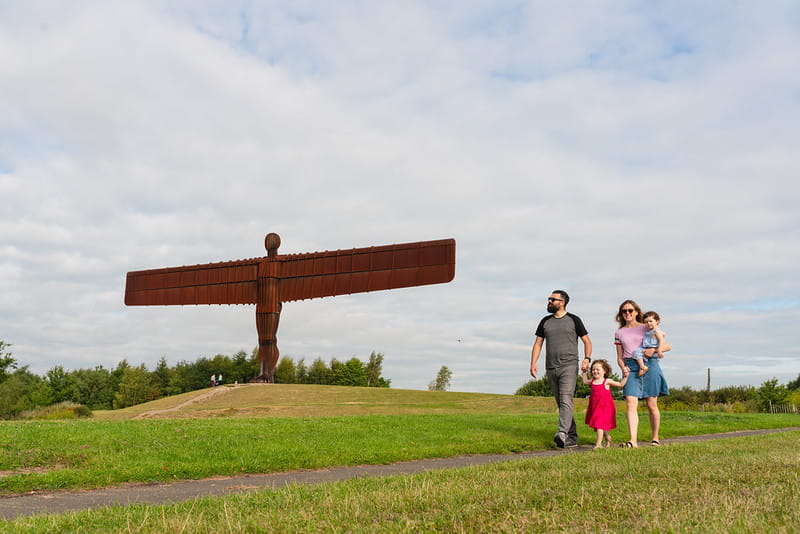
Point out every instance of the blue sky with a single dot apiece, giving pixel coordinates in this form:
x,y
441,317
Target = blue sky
x,y
617,150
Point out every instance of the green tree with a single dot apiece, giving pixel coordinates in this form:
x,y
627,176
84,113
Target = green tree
x,y
118,372
349,373
535,388
683,396
161,378
7,363
731,394
286,371
62,384
374,369
541,388
223,367
13,398
22,391
771,394
181,379
301,374
191,376
319,373
244,367
794,384
442,381
93,388
582,391
135,387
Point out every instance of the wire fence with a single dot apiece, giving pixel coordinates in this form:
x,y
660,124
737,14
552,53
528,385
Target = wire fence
x,y
783,408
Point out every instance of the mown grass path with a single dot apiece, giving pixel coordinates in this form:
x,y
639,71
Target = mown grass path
x,y
66,501
249,438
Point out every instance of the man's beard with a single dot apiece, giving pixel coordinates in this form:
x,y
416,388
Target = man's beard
x,y
551,308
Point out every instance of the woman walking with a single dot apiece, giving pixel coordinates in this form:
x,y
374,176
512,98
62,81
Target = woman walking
x,y
649,386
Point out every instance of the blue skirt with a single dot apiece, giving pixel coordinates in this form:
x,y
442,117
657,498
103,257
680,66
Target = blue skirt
x,y
652,384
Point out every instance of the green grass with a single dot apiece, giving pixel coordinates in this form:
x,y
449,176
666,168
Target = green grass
x,y
54,455
58,455
284,400
733,485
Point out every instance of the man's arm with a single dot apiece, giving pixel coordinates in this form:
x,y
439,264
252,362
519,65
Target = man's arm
x,y
587,352
535,352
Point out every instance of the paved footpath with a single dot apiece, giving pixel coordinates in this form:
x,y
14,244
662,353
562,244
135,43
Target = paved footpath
x,y
164,493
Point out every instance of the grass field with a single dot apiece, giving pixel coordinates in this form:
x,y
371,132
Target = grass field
x,y
281,400
743,484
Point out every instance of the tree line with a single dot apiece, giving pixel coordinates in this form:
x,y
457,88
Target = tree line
x,y
729,399
127,385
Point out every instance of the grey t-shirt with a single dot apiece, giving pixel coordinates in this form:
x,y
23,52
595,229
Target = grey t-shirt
x,y
561,339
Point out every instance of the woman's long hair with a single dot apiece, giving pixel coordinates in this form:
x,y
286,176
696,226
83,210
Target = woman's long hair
x,y
621,319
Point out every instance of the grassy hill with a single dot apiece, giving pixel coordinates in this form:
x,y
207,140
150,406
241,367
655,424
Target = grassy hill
x,y
302,400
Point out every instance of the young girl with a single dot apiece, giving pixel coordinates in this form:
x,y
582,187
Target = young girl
x,y
601,414
653,339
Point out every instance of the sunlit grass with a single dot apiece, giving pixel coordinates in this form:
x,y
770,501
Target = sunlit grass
x,y
732,485
50,455
302,400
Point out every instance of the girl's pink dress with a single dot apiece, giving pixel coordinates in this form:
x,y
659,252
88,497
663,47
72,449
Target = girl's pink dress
x,y
601,413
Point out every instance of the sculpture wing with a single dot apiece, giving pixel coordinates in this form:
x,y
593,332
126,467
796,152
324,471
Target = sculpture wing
x,y
230,282
342,272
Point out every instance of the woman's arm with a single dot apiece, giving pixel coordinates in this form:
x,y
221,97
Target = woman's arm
x,y
662,341
663,346
621,361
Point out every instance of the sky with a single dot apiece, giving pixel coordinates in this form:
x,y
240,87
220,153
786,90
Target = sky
x,y
614,149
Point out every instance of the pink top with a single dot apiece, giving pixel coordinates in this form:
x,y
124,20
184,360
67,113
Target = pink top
x,y
630,339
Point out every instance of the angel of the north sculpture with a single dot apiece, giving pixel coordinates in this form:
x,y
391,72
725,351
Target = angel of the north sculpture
x,y
276,278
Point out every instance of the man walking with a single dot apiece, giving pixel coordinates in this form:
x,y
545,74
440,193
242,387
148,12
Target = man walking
x,y
561,330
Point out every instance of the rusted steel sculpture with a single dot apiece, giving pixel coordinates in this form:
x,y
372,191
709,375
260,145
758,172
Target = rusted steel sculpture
x,y
270,281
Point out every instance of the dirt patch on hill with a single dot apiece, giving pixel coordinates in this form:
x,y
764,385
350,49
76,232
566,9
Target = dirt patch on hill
x,y
200,399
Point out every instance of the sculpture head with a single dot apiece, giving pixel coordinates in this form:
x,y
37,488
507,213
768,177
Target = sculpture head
x,y
271,243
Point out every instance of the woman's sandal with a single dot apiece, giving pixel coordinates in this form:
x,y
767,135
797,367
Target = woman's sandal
x,y
655,443
626,445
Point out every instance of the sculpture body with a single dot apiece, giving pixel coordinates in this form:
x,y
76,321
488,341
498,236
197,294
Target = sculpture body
x,y
270,281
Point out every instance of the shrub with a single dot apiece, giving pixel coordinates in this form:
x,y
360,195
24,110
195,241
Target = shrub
x,y
62,410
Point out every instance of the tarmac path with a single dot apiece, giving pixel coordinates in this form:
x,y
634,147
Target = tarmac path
x,y
164,493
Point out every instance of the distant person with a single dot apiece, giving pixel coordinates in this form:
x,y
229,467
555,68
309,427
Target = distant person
x,y
629,337
561,330
213,380
653,338
601,414
219,379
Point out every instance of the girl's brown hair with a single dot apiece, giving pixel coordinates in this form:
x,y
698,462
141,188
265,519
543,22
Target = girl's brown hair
x,y
604,365
621,320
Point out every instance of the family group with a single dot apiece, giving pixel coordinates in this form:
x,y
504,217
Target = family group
x,y
639,343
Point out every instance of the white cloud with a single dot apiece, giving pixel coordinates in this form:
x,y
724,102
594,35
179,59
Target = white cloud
x,y
613,149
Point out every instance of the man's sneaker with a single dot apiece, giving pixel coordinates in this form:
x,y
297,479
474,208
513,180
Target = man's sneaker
x,y
560,439
571,444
